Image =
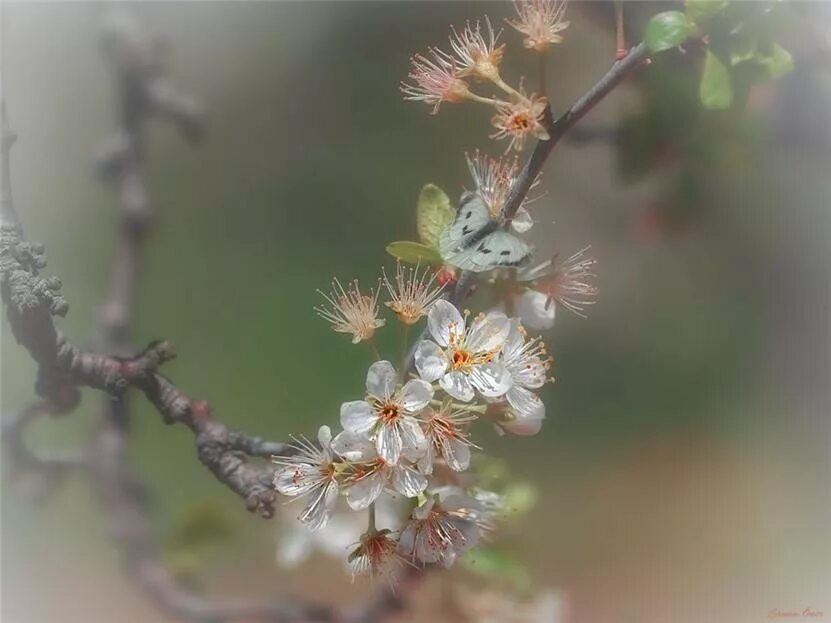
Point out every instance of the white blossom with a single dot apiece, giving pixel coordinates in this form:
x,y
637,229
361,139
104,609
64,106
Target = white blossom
x,y
310,473
445,429
527,362
441,530
368,474
464,359
376,554
387,415
536,310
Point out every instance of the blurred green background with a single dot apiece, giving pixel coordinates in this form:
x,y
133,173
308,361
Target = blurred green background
x,y
683,470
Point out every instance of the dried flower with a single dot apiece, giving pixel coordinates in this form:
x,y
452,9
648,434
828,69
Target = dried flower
x,y
376,554
311,473
540,21
436,81
350,311
519,119
412,294
446,437
494,179
388,416
439,531
477,52
567,283
462,359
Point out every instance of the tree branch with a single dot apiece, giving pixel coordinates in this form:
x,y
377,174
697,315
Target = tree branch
x,y
557,128
31,300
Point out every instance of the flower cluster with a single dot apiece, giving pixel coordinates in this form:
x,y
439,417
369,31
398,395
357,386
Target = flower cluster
x,y
476,54
408,436
406,441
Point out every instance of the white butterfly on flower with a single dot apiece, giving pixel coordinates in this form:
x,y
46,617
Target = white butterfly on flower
x,y
476,242
478,239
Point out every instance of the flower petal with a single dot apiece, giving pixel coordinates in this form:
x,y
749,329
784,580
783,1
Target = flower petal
x,y
430,361
425,463
457,384
354,447
444,319
512,348
365,491
381,379
357,416
319,509
416,395
408,481
523,425
324,436
528,371
488,332
525,402
528,412
414,441
536,310
299,479
388,442
491,379
522,222
457,454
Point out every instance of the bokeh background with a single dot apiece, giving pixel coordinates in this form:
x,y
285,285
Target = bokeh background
x,y
683,471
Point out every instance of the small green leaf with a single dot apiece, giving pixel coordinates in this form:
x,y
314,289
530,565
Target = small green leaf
x,y
716,88
744,44
519,498
413,252
434,214
667,30
778,63
702,10
497,565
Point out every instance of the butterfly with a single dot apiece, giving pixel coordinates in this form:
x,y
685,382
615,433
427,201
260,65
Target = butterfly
x,y
475,240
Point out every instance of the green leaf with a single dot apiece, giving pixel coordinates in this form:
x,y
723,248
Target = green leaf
x,y
519,498
744,44
716,88
434,214
497,565
702,10
778,63
667,30
413,252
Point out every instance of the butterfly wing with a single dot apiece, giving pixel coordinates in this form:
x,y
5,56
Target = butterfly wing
x,y
471,223
498,249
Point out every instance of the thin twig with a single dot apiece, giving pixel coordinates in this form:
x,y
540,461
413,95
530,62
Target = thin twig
x,y
557,128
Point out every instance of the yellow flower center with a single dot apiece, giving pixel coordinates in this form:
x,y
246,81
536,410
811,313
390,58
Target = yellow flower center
x,y
388,412
520,123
